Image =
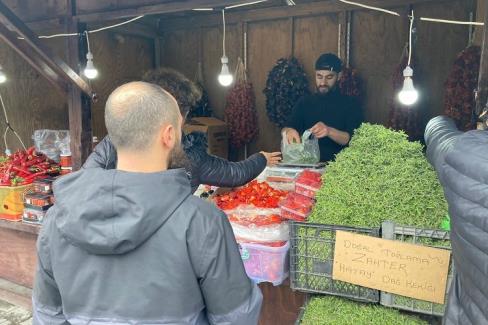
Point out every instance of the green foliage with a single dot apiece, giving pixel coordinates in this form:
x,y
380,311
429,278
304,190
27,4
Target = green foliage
x,y
380,176
330,310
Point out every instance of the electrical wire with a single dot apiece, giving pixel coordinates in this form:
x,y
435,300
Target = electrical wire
x,y
89,31
9,127
411,17
116,25
455,22
223,37
370,7
87,41
245,4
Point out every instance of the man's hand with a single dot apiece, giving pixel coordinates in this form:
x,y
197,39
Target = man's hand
x,y
320,130
272,157
292,135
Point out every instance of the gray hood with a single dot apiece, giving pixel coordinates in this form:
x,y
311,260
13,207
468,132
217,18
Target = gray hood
x,y
119,217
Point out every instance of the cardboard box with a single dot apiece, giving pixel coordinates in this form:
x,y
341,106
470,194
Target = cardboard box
x,y
216,131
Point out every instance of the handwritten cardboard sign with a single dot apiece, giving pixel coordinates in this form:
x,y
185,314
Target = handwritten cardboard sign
x,y
409,270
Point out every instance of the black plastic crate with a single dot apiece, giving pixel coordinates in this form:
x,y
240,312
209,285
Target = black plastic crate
x,y
312,259
428,237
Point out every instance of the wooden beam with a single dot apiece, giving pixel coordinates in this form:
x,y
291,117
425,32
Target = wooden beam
x,y
164,8
37,63
158,42
79,104
301,10
41,53
482,93
138,30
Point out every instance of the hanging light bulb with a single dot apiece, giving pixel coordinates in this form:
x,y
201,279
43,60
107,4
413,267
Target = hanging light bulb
x,y
3,76
90,71
225,77
408,95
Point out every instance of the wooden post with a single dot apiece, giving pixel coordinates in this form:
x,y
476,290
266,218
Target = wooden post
x,y
482,93
79,104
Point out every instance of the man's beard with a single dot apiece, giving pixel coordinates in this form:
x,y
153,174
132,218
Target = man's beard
x,y
324,90
178,158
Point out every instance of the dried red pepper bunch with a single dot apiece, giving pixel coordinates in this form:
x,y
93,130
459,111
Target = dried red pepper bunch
x,y
350,83
459,101
240,110
286,84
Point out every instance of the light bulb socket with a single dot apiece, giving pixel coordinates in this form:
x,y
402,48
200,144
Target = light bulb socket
x,y
225,69
408,72
408,84
224,60
89,56
89,65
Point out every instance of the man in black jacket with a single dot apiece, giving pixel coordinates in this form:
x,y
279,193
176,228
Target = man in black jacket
x,y
330,116
202,167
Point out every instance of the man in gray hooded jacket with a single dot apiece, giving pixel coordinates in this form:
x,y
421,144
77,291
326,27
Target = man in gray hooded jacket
x,y
131,245
461,161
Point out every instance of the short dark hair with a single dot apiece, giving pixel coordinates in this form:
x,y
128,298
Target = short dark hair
x,y
330,62
185,91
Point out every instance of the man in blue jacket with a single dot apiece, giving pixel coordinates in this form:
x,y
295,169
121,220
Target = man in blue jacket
x,y
131,245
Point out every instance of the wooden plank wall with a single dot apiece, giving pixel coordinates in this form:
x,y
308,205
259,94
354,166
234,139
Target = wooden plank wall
x,y
377,42
33,103
119,59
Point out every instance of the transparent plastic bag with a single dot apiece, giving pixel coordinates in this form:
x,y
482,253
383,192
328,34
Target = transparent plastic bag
x,y
258,225
52,143
306,152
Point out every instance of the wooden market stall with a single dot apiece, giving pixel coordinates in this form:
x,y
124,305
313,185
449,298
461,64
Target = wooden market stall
x,y
171,34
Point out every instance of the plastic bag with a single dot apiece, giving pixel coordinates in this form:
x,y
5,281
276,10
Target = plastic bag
x,y
52,143
258,225
306,152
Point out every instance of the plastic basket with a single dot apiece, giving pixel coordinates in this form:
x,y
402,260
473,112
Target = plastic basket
x,y
312,258
427,237
265,263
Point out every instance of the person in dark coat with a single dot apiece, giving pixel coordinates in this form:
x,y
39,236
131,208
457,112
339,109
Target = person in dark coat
x,y
203,168
461,162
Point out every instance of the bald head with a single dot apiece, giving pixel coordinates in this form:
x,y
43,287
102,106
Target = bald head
x,y
135,112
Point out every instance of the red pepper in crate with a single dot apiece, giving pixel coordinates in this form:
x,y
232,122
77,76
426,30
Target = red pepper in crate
x,y
296,207
260,195
24,167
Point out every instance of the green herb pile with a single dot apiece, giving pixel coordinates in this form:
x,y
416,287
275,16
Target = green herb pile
x,y
380,176
329,310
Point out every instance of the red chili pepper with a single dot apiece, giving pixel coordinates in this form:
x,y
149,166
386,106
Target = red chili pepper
x,y
21,170
30,151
